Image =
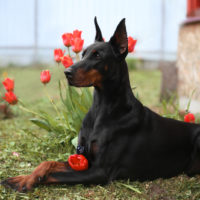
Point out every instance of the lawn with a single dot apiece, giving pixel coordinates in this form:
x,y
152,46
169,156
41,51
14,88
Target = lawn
x,y
18,134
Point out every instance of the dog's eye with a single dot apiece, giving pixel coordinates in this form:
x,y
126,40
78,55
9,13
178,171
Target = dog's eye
x,y
96,54
83,54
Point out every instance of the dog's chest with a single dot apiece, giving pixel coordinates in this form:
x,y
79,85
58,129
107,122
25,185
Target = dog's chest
x,y
92,139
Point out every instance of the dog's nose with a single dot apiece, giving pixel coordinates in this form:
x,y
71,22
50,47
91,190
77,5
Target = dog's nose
x,y
68,72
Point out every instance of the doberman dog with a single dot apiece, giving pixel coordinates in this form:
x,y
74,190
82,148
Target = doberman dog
x,y
121,138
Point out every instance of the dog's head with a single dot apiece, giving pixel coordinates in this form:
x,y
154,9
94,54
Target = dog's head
x,y
100,61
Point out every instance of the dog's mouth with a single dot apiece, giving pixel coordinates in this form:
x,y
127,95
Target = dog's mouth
x,y
81,78
77,83
69,79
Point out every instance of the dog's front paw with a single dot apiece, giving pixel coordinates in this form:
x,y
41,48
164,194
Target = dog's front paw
x,y
19,183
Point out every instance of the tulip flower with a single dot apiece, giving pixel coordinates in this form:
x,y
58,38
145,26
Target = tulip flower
x,y
58,54
8,84
67,39
78,162
77,45
131,44
45,76
189,118
77,34
10,97
67,61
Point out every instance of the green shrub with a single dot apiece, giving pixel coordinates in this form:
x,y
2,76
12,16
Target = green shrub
x,y
132,63
65,126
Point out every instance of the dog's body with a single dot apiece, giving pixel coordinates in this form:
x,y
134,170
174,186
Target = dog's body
x,y
120,137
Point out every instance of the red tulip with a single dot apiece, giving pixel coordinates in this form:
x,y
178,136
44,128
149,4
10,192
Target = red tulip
x,y
10,97
131,44
78,162
8,84
77,34
45,76
67,61
58,54
77,45
189,118
67,39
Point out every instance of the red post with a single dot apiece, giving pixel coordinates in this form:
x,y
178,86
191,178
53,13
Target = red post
x,y
192,8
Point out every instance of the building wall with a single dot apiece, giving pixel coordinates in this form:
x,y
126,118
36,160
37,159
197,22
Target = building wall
x,y
188,65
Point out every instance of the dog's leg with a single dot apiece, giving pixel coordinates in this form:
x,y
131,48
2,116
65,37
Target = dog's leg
x,y
194,167
54,172
90,176
93,175
26,182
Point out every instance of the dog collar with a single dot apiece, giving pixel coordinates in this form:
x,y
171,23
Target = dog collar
x,y
80,149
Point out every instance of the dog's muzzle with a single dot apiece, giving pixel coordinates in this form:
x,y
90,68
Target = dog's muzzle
x,y
68,72
69,75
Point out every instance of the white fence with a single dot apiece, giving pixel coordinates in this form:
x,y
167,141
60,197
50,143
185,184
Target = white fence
x,y
31,29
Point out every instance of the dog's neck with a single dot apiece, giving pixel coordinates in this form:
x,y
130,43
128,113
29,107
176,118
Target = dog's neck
x,y
115,93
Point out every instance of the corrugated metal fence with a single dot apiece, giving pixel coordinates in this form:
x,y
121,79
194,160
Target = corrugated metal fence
x,y
31,29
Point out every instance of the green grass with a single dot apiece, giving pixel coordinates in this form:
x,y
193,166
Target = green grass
x,y
20,135
147,85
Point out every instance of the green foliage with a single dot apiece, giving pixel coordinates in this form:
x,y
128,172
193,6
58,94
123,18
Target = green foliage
x,y
189,102
66,125
170,108
132,63
130,187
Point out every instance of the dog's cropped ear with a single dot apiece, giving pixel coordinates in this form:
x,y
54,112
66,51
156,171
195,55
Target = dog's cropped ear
x,y
98,37
119,40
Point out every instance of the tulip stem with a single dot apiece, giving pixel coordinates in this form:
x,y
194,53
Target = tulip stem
x,y
54,105
56,109
51,100
68,51
22,107
77,57
62,72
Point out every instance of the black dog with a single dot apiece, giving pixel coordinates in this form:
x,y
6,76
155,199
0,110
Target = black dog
x,y
120,137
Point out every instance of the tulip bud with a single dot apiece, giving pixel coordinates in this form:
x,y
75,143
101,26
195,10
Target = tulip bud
x,y
58,54
10,97
78,162
67,39
8,84
189,118
131,44
77,45
67,61
45,76
77,34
